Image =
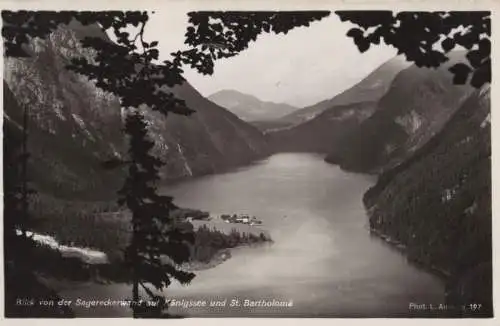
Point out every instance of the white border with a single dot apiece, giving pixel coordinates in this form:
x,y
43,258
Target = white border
x,y
187,5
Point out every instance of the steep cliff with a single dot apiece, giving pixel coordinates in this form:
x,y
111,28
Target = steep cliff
x,y
318,127
369,89
318,134
74,125
418,103
438,204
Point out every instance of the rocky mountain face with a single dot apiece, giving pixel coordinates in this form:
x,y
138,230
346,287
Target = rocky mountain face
x,y
73,125
318,134
370,89
316,128
430,142
250,108
417,105
210,140
437,203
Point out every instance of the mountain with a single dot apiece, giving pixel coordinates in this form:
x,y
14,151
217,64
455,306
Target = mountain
x,y
250,108
318,134
437,204
316,128
419,102
370,89
73,125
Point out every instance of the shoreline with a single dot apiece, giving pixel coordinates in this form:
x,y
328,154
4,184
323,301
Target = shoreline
x,y
222,256
455,309
402,248
395,244
68,284
96,263
171,182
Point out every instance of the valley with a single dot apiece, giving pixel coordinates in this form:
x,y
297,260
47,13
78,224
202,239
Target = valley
x,y
323,258
74,126
378,196
428,141
249,108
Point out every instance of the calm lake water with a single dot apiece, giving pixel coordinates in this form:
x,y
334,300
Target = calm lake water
x,y
323,258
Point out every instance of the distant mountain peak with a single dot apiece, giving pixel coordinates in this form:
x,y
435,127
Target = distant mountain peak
x,y
233,92
369,89
74,125
249,107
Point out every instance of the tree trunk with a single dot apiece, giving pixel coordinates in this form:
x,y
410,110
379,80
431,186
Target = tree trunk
x,y
135,266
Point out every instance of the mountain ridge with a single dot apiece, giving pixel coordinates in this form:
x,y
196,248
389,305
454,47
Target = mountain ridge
x,y
440,196
249,107
67,108
419,102
331,119
369,88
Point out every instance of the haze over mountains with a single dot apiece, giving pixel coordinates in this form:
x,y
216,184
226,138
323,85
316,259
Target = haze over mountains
x,y
410,104
269,116
370,88
417,105
426,138
250,108
429,140
314,128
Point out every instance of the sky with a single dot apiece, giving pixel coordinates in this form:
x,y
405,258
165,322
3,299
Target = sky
x,y
301,68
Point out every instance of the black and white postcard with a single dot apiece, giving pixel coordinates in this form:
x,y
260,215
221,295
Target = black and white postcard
x,y
190,159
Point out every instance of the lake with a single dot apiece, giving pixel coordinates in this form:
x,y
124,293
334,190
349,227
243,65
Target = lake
x,y
323,260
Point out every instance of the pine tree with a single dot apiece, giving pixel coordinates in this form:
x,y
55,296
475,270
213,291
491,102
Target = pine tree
x,y
159,244
129,69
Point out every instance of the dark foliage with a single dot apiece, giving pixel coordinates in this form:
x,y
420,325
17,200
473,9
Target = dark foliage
x,y
222,34
426,38
131,76
429,94
129,69
47,152
124,68
87,224
154,232
25,285
438,204
21,282
206,250
208,242
195,214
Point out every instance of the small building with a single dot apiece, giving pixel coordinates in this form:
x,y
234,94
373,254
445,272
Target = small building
x,y
242,219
